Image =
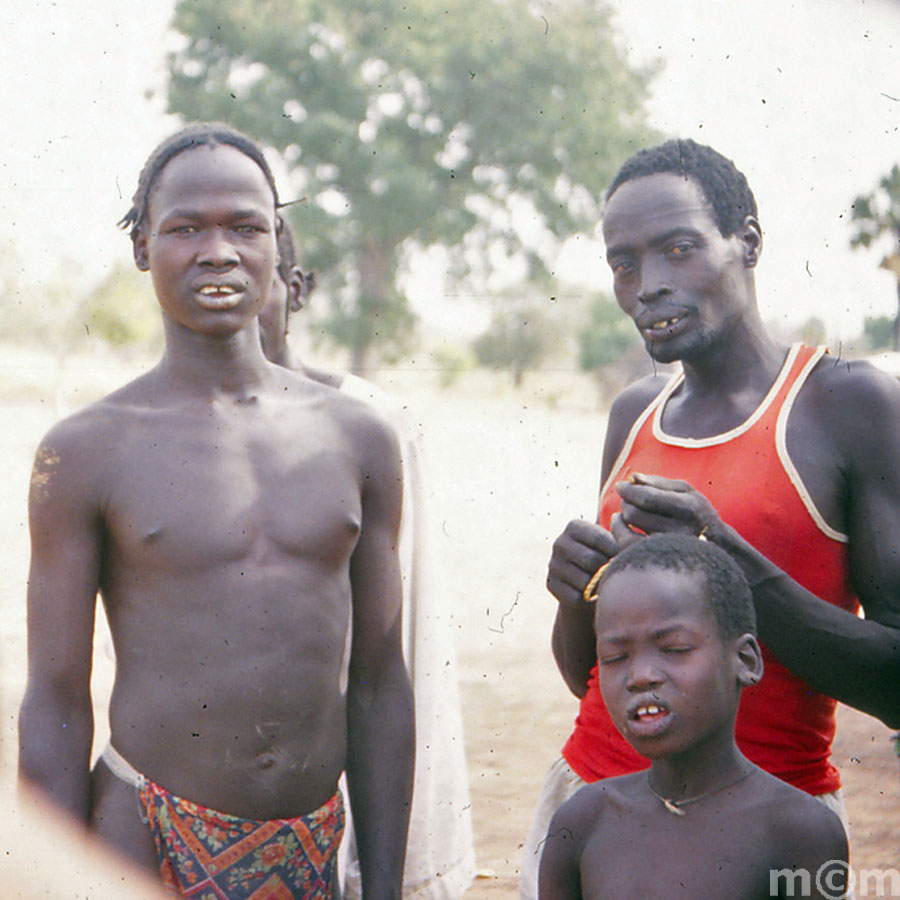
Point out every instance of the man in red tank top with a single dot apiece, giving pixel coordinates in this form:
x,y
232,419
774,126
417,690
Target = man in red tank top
x,y
785,457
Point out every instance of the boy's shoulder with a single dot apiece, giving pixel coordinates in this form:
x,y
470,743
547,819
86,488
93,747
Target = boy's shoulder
x,y
590,805
797,819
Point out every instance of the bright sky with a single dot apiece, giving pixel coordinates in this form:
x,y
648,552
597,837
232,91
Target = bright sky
x,y
803,95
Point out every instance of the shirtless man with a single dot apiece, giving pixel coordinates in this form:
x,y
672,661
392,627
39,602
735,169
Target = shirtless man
x,y
235,517
796,450
675,639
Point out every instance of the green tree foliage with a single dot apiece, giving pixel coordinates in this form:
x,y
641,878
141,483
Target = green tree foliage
x,y
123,311
517,339
606,337
875,215
878,333
410,123
813,332
39,313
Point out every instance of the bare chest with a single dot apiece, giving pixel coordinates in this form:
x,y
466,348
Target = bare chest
x,y
694,863
190,490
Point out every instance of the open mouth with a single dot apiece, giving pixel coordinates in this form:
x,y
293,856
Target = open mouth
x,y
218,296
648,719
664,327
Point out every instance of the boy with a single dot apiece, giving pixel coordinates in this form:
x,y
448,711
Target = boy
x,y
676,644
235,518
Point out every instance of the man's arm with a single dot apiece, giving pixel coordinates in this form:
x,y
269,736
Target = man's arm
x,y
381,735
56,720
584,546
856,661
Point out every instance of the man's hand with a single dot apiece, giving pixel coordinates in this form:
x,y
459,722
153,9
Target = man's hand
x,y
654,504
578,553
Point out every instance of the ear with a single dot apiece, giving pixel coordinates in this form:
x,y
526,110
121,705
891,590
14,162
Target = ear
x,y
300,286
296,289
748,660
751,237
139,249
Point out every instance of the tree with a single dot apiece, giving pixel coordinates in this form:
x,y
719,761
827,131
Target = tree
x,y
877,214
517,339
123,311
605,340
606,337
406,123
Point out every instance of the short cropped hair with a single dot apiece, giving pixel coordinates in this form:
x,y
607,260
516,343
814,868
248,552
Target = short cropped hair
x,y
727,591
723,184
197,134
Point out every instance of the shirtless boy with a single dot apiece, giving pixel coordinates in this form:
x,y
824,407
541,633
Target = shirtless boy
x,y
783,456
440,862
675,641
235,517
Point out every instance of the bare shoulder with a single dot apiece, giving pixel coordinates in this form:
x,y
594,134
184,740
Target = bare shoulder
x,y
362,422
800,821
80,445
626,409
388,406
586,810
850,388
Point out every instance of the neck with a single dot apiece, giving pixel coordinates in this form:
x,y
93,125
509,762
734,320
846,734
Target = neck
x,y
700,771
748,358
214,365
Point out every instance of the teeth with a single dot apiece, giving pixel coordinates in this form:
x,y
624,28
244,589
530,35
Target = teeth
x,y
216,289
652,710
665,323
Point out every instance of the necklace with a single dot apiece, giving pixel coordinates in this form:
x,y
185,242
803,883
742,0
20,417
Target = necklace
x,y
675,806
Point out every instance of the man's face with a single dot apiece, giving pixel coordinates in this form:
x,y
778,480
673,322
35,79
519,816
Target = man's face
x,y
284,298
209,239
667,677
273,319
684,285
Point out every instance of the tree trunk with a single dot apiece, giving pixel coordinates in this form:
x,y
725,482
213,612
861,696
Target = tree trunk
x,y
374,283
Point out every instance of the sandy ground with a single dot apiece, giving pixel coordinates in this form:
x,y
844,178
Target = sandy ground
x,y
508,470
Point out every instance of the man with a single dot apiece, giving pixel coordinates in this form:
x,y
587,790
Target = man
x,y
440,863
235,517
785,457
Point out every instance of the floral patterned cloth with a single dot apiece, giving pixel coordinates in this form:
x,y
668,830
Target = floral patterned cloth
x,y
208,855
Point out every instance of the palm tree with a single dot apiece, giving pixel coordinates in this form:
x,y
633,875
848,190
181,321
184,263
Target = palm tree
x,y
874,214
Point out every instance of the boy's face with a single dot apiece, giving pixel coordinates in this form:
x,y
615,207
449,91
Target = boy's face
x,y
209,239
668,679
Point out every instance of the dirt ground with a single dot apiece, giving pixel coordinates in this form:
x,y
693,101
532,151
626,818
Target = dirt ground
x,y
508,469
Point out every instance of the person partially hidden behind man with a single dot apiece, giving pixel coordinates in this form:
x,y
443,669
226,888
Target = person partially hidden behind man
x,y
676,644
235,517
440,862
784,456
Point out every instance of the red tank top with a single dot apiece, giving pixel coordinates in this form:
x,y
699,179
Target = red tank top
x,y
782,725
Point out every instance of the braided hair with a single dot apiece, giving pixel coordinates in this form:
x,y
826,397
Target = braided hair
x,y
196,134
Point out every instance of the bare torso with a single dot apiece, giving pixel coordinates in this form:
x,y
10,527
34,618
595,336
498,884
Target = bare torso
x,y
726,845
227,531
